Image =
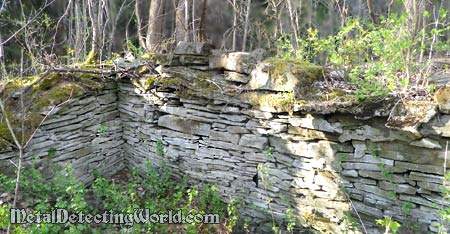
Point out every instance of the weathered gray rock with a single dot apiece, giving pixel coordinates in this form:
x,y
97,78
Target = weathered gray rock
x,y
222,140
252,141
437,126
426,143
405,152
426,177
430,186
309,134
312,122
236,77
193,60
360,148
283,146
184,125
379,176
365,209
284,75
350,173
241,62
421,168
408,115
366,159
224,136
441,96
398,188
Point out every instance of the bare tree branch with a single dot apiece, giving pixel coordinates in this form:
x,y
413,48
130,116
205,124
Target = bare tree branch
x,y
28,23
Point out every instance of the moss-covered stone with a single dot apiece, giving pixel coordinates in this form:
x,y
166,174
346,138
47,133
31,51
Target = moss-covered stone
x,y
48,82
276,74
305,71
442,97
199,87
94,81
270,102
59,94
409,114
51,90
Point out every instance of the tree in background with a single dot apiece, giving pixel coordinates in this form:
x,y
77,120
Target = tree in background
x,y
70,29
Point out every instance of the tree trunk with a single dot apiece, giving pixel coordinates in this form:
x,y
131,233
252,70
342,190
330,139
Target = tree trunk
x,y
247,18
202,30
141,13
2,53
293,25
181,23
235,20
155,23
94,15
371,12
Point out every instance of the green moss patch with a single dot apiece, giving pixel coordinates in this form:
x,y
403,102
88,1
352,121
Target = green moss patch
x,y
59,94
157,58
271,102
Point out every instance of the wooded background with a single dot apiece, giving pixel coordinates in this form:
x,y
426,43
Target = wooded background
x,y
65,31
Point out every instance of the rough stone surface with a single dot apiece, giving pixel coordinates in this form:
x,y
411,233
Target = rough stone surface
x,y
184,125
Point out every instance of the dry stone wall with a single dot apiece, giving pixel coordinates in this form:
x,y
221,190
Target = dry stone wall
x,y
86,133
311,162
319,160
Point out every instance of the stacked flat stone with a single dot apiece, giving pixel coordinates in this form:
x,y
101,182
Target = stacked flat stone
x,y
73,132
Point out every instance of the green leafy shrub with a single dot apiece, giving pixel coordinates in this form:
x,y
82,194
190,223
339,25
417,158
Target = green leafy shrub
x,y
377,58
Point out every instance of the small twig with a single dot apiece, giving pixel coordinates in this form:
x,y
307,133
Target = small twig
x,y
66,12
102,72
8,124
357,214
46,116
393,108
41,10
26,88
445,171
214,83
11,161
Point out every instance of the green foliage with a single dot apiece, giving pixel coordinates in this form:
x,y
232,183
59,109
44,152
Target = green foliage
x,y
378,58
444,212
263,170
284,47
101,130
406,207
232,212
351,224
390,225
291,220
62,191
135,50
